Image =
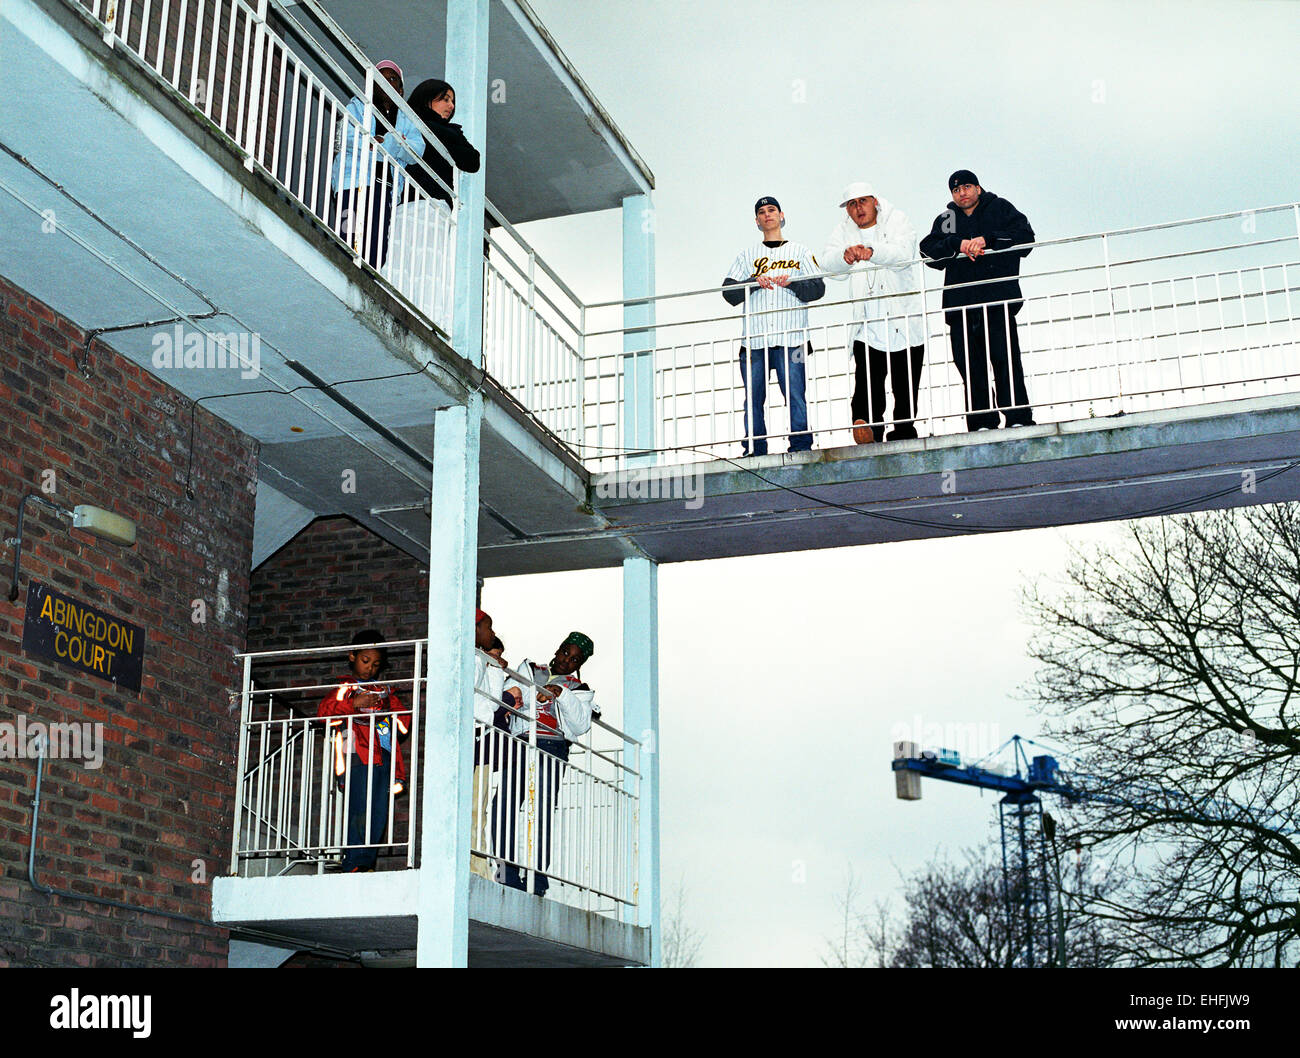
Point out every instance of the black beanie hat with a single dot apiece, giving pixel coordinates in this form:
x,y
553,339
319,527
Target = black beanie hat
x,y
962,176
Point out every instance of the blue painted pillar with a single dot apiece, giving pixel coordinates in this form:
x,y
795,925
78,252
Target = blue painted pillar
x,y
640,575
447,752
638,409
467,73
641,721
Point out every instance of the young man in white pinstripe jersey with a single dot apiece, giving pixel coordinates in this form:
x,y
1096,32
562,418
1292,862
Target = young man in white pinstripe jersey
x,y
766,278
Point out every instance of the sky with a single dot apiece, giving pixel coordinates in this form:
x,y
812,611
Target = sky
x,y
784,680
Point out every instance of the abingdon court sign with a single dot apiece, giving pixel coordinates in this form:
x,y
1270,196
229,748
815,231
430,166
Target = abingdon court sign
x,y
71,633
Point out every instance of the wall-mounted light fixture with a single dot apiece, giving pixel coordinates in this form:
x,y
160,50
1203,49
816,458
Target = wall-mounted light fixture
x,y
95,520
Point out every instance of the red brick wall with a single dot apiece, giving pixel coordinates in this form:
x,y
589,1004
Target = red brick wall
x,y
137,829
332,580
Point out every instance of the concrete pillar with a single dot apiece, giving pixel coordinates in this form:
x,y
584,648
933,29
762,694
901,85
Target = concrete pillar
x,y
638,281
447,753
641,721
467,72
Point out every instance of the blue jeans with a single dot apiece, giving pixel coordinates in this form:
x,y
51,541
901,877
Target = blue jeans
x,y
755,365
365,859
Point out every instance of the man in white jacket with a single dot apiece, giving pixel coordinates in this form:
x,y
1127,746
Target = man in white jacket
x,y
563,706
875,246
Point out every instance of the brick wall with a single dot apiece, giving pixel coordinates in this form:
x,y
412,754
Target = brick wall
x,y
332,580
151,827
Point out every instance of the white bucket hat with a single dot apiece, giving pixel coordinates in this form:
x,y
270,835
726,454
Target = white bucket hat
x,y
861,189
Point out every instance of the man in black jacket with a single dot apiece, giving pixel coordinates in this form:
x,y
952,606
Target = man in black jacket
x,y
982,317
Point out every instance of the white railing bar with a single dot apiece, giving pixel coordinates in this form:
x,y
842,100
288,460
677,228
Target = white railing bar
x,y
397,680
344,649
527,248
912,292
932,314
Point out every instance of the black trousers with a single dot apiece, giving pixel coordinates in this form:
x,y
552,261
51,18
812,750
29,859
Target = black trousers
x,y
551,756
870,365
373,209
984,333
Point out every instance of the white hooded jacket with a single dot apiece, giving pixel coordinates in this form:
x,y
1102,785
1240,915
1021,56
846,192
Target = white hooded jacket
x,y
889,322
573,708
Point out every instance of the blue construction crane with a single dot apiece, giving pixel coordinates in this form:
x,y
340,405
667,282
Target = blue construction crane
x,y
1025,888
1021,821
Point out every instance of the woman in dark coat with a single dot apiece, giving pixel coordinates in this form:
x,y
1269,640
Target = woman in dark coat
x,y
420,261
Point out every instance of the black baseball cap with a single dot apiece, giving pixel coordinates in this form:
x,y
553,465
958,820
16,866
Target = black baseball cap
x,y
767,200
962,176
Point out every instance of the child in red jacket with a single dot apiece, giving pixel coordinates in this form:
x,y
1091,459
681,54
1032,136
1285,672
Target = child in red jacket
x,y
367,723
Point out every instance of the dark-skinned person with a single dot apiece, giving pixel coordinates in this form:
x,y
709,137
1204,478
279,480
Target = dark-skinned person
x,y
564,708
366,724
490,724
368,180
420,262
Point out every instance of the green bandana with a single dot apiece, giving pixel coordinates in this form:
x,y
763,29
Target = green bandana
x,y
583,643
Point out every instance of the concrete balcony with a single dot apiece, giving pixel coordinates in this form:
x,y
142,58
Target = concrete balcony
x,y
372,914
299,779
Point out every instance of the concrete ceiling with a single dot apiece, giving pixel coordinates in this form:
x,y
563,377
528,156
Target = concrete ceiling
x,y
552,150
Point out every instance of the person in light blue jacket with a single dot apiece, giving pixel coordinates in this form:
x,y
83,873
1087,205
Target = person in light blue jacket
x,y
367,181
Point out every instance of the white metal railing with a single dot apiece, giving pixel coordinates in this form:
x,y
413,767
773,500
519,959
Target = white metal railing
x,y
1154,317
532,332
1157,316
278,103
572,820
294,774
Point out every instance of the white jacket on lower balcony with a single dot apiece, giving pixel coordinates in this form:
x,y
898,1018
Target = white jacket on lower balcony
x,y
489,682
572,708
889,322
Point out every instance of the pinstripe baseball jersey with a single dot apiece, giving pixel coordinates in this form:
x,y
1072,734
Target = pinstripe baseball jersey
x,y
774,317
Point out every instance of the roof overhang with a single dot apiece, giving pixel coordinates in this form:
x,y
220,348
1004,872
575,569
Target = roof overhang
x,y
552,150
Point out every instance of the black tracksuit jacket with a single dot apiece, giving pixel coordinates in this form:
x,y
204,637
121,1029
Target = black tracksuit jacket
x,y
1002,225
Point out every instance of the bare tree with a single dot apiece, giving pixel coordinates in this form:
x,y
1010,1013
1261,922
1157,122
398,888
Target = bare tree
x,y
955,915
865,937
1169,666
682,942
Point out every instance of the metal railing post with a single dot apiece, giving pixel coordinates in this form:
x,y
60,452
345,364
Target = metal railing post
x,y
110,24
530,335
530,799
363,167
245,708
254,109
413,787
581,431
1114,325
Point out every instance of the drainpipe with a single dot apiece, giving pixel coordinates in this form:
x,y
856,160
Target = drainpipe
x,y
50,891
298,945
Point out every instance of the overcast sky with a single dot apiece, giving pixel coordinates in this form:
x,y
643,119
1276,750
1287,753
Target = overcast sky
x,y
784,680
